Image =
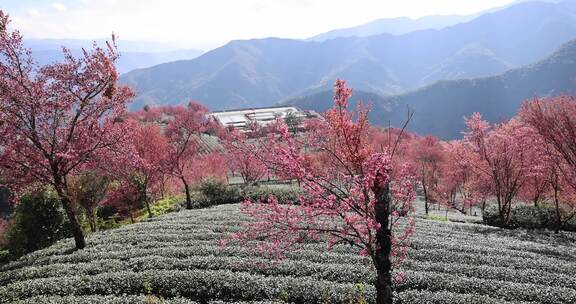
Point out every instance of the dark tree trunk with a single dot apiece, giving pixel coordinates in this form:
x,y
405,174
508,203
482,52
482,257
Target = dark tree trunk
x,y
71,214
425,198
91,219
381,257
148,207
187,189
558,215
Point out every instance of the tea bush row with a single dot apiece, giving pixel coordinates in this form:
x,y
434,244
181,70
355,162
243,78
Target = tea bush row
x,y
197,285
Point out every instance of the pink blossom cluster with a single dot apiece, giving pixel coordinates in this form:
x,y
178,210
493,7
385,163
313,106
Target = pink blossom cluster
x,y
341,172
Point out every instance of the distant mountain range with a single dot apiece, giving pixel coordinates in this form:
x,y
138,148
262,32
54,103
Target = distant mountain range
x,y
135,54
322,101
394,26
263,72
404,25
439,108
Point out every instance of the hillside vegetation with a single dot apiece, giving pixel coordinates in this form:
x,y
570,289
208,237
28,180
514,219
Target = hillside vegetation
x,y
177,257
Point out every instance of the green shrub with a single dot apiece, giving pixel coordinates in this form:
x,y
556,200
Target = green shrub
x,y
490,216
4,256
213,192
283,194
439,218
163,206
532,217
38,221
542,216
5,206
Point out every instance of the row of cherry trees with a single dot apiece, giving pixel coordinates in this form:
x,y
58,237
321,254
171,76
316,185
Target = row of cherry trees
x,y
528,159
65,125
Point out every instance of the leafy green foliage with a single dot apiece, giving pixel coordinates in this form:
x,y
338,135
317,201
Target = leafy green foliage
x,y
213,192
542,216
38,221
5,206
163,206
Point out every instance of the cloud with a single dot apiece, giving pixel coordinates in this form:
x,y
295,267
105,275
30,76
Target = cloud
x,y
209,23
59,6
33,12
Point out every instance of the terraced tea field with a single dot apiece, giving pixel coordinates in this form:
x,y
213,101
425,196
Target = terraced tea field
x,y
177,259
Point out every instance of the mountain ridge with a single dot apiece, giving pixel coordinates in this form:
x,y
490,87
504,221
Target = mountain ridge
x,y
261,72
440,107
134,54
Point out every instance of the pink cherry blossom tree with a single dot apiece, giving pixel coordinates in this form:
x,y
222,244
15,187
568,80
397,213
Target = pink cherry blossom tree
x,y
351,198
427,154
553,121
145,173
184,154
499,158
250,167
455,187
123,197
58,117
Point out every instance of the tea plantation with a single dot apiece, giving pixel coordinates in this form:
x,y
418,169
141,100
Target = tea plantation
x,y
177,258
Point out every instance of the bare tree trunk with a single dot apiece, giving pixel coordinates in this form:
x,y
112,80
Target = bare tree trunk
x,y
425,198
558,216
131,213
187,189
148,206
71,214
91,219
381,258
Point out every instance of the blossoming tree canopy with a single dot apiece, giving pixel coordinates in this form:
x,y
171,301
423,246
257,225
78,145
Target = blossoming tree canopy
x,y
427,154
498,156
56,118
349,199
184,136
553,121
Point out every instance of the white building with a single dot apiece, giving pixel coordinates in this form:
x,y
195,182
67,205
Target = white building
x,y
262,116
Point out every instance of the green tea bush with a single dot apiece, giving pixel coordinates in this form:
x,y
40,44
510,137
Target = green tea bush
x,y
177,258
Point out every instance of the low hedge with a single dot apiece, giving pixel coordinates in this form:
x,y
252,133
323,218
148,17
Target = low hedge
x,y
197,285
526,216
95,299
213,192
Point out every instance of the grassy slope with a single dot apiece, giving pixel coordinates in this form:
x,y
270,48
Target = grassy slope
x,y
177,257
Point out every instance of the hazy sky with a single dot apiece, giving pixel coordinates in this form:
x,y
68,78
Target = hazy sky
x,y
209,23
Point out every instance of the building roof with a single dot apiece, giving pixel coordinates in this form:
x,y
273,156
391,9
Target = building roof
x,y
263,116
